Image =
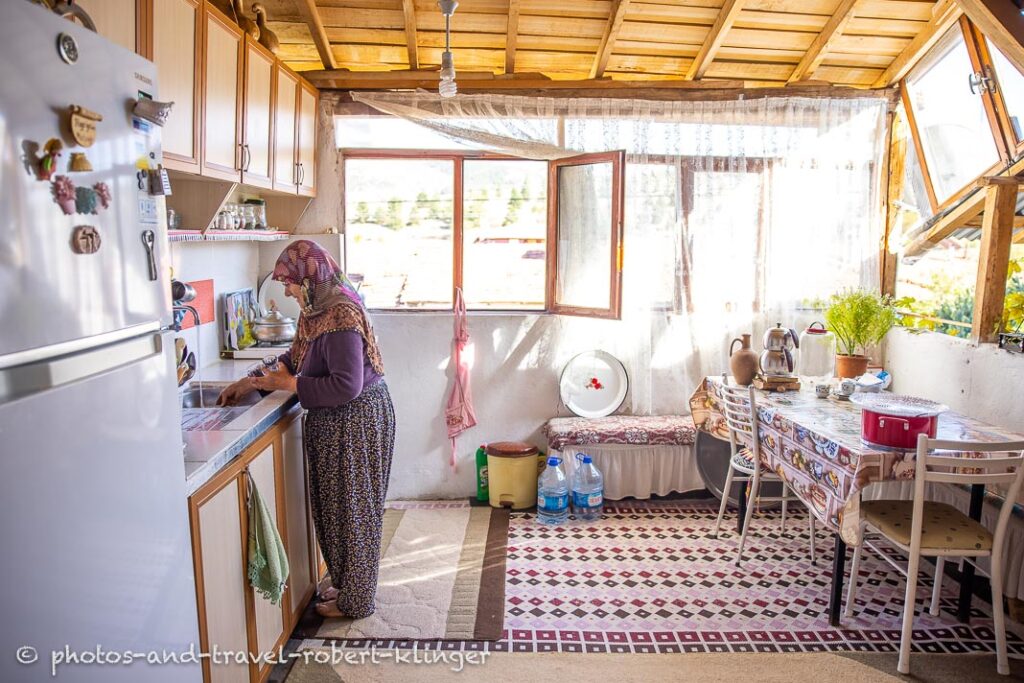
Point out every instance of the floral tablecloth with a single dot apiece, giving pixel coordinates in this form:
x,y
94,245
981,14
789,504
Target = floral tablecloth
x,y
815,446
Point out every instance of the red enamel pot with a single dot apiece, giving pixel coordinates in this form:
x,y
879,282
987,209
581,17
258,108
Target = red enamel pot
x,y
895,421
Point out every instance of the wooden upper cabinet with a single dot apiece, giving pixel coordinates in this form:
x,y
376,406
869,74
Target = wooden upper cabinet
x,y
287,105
258,109
116,20
222,81
177,29
306,157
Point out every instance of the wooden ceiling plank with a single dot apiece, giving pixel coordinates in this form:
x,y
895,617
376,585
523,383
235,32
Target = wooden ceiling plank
x,y
716,36
409,9
611,33
511,36
308,11
819,48
947,13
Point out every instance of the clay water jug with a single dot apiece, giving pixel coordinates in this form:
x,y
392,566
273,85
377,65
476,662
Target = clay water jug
x,y
742,362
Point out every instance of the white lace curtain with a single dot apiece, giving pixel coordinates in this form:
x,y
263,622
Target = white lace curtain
x,y
738,213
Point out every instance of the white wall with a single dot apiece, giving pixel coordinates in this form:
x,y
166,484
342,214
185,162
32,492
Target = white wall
x,y
517,360
231,266
981,381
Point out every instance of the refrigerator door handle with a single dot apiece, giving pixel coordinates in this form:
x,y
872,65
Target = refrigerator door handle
x,y
33,378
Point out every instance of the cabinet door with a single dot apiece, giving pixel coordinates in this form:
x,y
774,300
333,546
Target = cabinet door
x,y
269,618
285,109
223,588
222,72
300,542
257,105
308,96
177,29
115,20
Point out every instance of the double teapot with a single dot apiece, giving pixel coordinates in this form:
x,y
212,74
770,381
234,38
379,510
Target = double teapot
x,y
775,361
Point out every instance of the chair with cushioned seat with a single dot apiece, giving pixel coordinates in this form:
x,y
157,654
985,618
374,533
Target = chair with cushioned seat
x,y
924,528
739,406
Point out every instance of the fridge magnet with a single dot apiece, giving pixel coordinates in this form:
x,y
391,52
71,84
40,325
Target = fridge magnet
x,y
151,110
79,163
83,125
85,200
85,239
103,194
64,194
159,181
48,164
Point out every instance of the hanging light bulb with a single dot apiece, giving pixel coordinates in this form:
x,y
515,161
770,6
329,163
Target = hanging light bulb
x,y
446,87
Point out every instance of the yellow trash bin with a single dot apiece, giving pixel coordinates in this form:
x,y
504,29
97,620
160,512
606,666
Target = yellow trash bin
x,y
512,474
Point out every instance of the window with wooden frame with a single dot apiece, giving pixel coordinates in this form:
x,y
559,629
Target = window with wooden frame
x,y
513,234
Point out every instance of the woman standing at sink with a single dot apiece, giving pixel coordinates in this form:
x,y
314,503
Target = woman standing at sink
x,y
335,367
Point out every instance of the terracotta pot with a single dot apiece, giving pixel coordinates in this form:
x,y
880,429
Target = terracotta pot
x,y
742,362
850,366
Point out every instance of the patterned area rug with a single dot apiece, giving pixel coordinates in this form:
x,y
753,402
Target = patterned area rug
x,y
650,578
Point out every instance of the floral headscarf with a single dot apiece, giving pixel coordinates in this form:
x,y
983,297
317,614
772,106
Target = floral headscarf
x,y
329,301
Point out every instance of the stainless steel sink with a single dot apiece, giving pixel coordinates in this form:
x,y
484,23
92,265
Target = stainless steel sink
x,y
206,397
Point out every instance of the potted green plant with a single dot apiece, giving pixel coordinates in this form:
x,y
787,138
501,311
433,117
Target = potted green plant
x,y
859,319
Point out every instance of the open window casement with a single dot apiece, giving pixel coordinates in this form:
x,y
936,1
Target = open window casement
x,y
586,194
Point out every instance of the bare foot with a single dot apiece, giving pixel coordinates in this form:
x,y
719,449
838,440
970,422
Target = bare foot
x,y
329,610
328,594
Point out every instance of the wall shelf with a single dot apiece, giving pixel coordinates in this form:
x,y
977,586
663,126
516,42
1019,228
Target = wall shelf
x,y
227,235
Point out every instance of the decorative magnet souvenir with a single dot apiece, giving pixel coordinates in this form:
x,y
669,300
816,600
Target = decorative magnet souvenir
x,y
83,125
103,194
51,152
64,194
159,181
85,200
85,239
79,163
154,111
67,48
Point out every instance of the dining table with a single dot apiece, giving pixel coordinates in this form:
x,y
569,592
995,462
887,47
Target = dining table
x,y
814,445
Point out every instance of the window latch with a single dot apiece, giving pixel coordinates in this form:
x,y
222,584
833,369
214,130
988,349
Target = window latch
x,y
982,80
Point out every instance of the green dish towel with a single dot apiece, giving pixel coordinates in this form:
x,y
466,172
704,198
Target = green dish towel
x,y
268,561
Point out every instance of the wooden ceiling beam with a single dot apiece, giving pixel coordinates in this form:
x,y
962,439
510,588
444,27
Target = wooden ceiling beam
x,y
716,36
409,10
946,14
511,36
308,11
834,28
611,34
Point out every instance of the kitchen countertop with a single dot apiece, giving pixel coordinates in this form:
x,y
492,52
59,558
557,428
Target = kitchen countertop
x,y
208,452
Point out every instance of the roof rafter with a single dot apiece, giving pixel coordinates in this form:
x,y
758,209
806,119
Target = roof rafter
x,y
946,14
308,11
611,33
716,36
409,9
511,36
819,48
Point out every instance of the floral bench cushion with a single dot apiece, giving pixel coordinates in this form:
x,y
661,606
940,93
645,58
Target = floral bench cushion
x,y
637,430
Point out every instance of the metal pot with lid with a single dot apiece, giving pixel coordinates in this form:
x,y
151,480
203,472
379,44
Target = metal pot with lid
x,y
274,327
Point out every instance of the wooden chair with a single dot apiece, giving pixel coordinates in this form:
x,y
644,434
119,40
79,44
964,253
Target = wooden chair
x,y
930,529
739,406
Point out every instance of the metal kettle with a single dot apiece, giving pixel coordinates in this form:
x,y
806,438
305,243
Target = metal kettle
x,y
777,363
781,338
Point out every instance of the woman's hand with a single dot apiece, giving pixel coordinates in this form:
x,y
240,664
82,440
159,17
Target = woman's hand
x,y
235,391
276,380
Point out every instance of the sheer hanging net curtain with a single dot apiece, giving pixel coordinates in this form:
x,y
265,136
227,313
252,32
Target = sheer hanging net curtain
x,y
738,213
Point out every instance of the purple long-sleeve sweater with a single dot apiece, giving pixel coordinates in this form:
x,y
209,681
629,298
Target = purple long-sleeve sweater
x,y
334,371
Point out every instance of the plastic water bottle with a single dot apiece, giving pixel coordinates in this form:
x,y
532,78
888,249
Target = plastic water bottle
x,y
553,494
587,489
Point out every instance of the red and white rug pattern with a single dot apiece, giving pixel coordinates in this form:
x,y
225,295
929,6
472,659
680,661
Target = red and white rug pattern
x,y
650,577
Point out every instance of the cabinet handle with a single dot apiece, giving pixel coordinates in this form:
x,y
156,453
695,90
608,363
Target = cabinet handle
x,y
247,156
302,173
295,173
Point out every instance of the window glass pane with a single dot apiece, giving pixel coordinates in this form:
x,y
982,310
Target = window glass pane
x,y
398,231
1011,85
584,236
652,233
941,283
951,120
505,233
913,202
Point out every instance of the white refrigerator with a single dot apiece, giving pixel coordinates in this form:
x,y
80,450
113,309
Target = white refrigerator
x,y
94,534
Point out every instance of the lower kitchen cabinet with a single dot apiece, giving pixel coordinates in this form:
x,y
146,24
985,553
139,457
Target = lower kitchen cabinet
x,y
233,618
